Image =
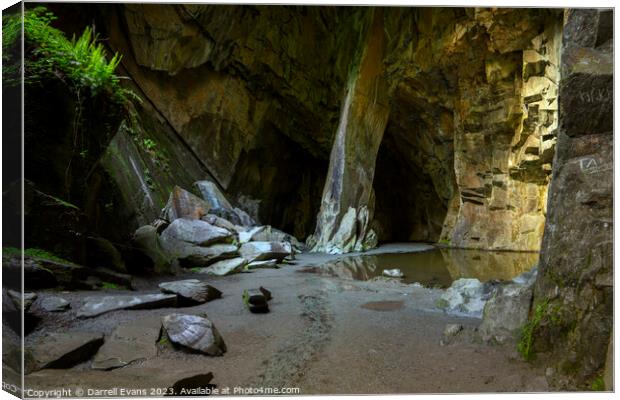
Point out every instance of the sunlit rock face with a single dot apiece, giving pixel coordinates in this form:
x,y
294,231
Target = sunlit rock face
x,y
575,282
353,124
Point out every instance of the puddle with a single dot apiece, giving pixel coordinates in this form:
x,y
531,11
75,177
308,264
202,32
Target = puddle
x,y
435,268
383,305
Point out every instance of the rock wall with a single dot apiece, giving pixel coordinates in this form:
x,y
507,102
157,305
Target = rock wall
x,y
575,281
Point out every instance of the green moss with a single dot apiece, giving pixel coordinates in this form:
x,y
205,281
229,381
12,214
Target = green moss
x,y
195,269
598,384
109,285
35,253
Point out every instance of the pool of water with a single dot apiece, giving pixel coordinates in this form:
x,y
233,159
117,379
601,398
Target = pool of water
x,y
434,268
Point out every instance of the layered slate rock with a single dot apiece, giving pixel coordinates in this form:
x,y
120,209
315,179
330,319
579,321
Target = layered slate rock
x,y
194,332
97,305
226,267
62,350
129,342
191,290
575,278
196,232
259,251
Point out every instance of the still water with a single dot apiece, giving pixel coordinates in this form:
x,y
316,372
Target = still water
x,y
434,268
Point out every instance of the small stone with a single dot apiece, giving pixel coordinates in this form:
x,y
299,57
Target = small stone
x,y
194,332
452,330
54,304
256,300
191,290
393,273
260,251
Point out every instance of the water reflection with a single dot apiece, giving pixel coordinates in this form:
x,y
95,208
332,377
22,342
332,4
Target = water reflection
x,y
435,268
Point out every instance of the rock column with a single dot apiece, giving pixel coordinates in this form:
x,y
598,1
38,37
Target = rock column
x,y
347,202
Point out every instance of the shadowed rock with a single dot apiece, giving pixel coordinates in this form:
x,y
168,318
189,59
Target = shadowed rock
x,y
183,204
54,304
22,302
259,251
194,332
129,342
191,290
62,350
256,300
98,305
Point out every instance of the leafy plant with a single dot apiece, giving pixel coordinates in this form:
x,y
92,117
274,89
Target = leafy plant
x,y
109,285
598,384
527,333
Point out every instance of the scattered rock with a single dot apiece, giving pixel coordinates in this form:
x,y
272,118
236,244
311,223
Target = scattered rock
x,y
194,332
225,267
212,195
393,273
506,312
62,350
98,305
248,235
464,297
191,290
220,222
183,204
132,341
195,231
273,263
160,225
54,304
268,233
244,218
256,300
452,330
16,298
259,251
147,241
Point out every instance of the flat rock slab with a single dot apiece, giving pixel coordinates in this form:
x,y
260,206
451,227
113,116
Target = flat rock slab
x,y
191,290
54,304
225,267
129,342
98,305
195,231
260,251
195,332
62,350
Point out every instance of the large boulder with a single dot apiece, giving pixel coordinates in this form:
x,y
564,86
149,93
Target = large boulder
x,y
259,251
194,332
226,267
98,305
466,297
506,312
195,231
190,256
183,204
191,290
148,242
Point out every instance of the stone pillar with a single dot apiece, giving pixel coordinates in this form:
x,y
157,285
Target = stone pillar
x,y
575,280
347,202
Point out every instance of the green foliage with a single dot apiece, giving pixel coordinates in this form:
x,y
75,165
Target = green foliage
x,y
35,253
81,63
164,339
246,298
527,333
109,285
598,384
195,270
149,144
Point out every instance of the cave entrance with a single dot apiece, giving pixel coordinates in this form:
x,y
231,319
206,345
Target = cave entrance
x,y
407,206
281,182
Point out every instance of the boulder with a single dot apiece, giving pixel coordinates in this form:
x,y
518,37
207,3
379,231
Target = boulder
x,y
191,290
219,222
212,195
98,305
62,350
506,312
225,267
260,251
54,304
452,330
190,256
273,263
268,233
465,297
22,302
248,235
148,242
194,332
35,277
183,204
129,342
393,273
195,231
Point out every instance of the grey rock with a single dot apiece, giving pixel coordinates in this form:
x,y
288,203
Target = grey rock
x,y
191,290
190,256
506,312
248,235
196,232
267,233
194,332
63,350
98,305
273,263
16,298
54,304
452,330
183,204
259,251
129,342
212,195
147,241
256,299
393,273
219,222
465,297
225,267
